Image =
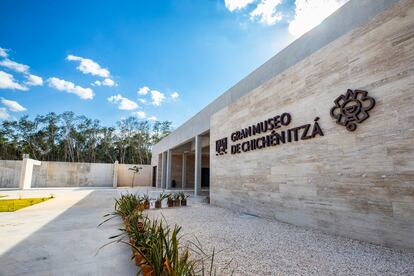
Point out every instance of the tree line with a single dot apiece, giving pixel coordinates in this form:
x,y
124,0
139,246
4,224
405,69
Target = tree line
x,y
76,138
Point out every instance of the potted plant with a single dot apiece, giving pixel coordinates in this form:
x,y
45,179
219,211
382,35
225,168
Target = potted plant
x,y
146,201
158,201
170,200
183,198
176,200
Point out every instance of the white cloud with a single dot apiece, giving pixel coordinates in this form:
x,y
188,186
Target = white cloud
x,y
143,90
143,101
7,81
105,82
157,97
3,53
108,82
3,113
33,80
267,12
174,95
13,105
88,66
18,67
141,114
309,14
70,87
233,5
123,103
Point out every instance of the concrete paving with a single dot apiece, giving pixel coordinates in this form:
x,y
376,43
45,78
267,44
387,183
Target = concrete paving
x,y
61,237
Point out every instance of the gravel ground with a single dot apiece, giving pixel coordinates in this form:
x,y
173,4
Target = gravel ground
x,y
256,246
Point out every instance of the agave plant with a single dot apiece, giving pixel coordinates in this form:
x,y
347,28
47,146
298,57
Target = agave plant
x,y
160,251
183,198
145,200
176,199
159,199
170,200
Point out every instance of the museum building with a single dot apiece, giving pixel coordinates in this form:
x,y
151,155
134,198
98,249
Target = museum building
x,y
320,136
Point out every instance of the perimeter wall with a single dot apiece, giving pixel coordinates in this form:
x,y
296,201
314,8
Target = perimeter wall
x,y
73,174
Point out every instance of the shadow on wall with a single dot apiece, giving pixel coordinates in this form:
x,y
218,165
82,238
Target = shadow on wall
x,y
68,243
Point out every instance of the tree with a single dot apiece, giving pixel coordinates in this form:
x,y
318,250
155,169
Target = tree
x,y
72,138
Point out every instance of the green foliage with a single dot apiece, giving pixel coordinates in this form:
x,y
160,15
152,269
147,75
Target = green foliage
x,y
11,205
71,138
126,204
162,196
156,245
182,195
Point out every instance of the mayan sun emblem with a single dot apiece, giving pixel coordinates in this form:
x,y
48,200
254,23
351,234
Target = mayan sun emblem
x,y
352,108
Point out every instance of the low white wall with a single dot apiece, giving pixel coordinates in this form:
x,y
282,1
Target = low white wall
x,y
143,178
71,174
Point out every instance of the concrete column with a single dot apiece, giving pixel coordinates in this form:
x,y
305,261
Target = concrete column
x,y
26,173
184,172
115,175
163,169
168,179
197,165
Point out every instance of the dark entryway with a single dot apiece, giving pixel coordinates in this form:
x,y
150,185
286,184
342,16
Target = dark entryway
x,y
205,177
154,176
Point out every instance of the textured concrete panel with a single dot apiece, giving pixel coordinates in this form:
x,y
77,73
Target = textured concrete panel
x,y
10,173
357,184
125,175
72,174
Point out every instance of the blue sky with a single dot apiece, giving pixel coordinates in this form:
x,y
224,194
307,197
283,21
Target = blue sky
x,y
93,57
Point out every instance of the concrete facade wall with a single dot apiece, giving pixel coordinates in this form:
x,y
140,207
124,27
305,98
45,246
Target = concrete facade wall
x,y
71,174
143,178
10,173
357,184
350,16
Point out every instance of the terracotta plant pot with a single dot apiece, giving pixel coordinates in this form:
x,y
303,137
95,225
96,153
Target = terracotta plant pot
x,y
146,270
139,260
157,204
170,203
183,202
176,203
146,204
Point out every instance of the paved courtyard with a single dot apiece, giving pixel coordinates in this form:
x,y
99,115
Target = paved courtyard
x,y
61,237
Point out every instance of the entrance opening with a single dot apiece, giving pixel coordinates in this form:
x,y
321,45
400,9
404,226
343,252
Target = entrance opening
x,y
182,167
205,177
154,176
